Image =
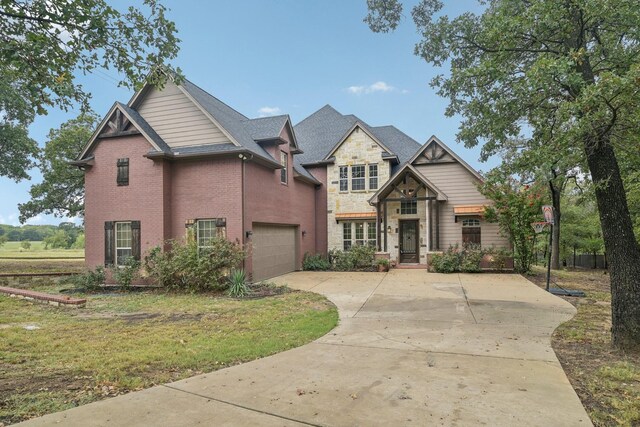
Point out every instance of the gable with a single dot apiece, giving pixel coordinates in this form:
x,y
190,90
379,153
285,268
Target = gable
x,y
288,136
122,121
357,142
177,119
433,153
118,124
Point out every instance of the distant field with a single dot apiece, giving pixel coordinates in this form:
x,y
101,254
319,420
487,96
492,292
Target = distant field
x,y
37,250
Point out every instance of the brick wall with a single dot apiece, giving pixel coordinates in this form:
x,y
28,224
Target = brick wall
x,y
203,189
320,173
141,200
267,200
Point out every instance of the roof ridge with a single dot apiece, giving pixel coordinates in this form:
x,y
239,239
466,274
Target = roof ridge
x,y
317,111
267,117
217,99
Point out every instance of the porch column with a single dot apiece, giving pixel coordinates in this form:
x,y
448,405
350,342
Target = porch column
x,y
437,203
385,225
430,225
378,228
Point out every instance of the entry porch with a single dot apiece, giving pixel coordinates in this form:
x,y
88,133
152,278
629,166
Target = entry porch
x,y
408,210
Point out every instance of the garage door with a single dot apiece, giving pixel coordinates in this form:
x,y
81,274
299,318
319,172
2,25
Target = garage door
x,y
274,251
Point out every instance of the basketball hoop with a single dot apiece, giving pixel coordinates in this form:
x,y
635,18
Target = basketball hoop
x,y
538,226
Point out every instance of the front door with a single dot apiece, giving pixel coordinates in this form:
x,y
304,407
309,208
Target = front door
x,y
409,248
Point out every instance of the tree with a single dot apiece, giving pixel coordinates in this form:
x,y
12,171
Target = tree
x,y
57,240
549,162
45,43
526,64
515,207
17,149
61,191
582,226
26,245
3,239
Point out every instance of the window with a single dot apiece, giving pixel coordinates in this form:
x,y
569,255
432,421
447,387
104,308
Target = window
x,y
283,171
346,236
124,247
206,230
123,172
408,207
371,234
121,241
344,178
471,223
359,233
373,177
471,231
357,178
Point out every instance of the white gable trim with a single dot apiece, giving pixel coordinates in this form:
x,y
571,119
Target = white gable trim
x,y
104,122
449,151
349,132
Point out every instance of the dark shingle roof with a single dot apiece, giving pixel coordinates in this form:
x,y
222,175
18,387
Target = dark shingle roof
x,y
399,142
319,133
265,128
145,127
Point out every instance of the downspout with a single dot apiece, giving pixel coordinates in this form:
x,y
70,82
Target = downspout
x,y
243,160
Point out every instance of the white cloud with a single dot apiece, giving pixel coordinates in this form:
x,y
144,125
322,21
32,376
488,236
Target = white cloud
x,y
36,220
11,219
379,86
269,111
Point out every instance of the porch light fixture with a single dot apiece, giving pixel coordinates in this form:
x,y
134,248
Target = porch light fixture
x,y
389,229
249,233
304,233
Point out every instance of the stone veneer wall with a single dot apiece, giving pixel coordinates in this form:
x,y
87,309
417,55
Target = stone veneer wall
x,y
357,149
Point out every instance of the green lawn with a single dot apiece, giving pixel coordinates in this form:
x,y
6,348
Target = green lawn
x,y
37,250
53,359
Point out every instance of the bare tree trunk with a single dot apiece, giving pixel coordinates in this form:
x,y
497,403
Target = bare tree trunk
x,y
555,200
621,247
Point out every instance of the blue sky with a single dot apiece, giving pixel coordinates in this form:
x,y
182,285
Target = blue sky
x,y
287,57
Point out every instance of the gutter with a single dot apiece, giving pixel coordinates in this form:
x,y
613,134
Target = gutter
x,y
228,153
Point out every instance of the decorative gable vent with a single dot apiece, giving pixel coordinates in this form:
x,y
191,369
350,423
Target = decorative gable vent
x,y
434,153
118,125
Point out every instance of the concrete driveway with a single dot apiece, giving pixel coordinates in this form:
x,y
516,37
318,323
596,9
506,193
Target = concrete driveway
x,y
412,348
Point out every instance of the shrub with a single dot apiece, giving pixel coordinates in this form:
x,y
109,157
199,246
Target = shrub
x,y
185,267
357,258
447,262
124,275
499,258
455,259
238,284
91,280
315,263
26,245
470,258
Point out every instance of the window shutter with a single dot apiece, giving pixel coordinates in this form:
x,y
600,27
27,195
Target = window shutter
x,y
135,240
190,229
109,243
123,172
